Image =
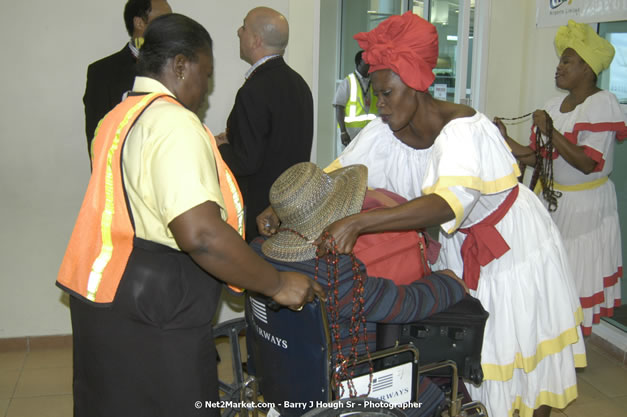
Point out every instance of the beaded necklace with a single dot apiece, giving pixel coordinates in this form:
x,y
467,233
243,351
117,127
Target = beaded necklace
x,y
341,363
543,171
524,116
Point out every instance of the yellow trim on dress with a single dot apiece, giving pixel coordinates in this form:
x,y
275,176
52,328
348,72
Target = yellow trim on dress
x,y
580,187
548,347
545,398
538,188
590,185
333,166
581,360
455,205
517,172
442,188
579,316
476,183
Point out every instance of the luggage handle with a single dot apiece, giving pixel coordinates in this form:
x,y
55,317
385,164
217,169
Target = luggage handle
x,y
454,333
422,332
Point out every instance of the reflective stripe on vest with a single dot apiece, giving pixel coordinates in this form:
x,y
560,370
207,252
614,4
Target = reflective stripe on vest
x,y
106,218
230,191
102,239
355,114
228,186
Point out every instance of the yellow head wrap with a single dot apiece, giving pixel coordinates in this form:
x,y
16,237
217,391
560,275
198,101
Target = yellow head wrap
x,y
593,49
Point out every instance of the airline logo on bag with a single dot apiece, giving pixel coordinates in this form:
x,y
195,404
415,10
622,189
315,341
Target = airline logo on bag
x,y
260,313
259,310
393,385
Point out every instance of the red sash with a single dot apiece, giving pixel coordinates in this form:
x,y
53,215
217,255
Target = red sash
x,y
484,243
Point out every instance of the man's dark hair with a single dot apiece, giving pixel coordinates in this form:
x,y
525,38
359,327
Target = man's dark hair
x,y
168,36
133,8
358,58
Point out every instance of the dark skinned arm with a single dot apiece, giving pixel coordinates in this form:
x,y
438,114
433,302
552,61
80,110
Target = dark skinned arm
x,y
268,222
219,250
572,153
422,212
522,153
340,111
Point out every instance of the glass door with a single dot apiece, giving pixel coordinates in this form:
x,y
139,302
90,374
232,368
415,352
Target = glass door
x,y
454,20
360,16
458,79
614,79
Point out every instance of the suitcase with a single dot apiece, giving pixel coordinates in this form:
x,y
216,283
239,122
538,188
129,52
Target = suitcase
x,y
454,334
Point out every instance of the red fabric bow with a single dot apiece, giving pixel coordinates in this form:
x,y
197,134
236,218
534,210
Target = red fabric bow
x,y
484,243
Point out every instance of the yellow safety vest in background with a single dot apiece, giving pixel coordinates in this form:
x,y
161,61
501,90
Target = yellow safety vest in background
x,y
355,114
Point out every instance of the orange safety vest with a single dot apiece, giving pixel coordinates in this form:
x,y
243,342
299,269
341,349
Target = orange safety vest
x,y
102,239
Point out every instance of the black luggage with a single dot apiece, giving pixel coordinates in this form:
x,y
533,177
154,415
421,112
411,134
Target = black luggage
x,y
454,334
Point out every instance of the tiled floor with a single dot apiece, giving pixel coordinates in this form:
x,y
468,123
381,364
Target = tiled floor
x,y
39,384
36,383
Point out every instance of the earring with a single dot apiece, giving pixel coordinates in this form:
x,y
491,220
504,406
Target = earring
x,y
181,77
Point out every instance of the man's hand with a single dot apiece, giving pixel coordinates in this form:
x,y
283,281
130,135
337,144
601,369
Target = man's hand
x,y
221,139
268,222
346,139
297,290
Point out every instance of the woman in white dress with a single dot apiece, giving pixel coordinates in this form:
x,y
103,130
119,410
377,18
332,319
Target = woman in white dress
x,y
457,169
584,125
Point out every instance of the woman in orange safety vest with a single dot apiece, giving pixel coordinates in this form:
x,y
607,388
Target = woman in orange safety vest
x,y
156,236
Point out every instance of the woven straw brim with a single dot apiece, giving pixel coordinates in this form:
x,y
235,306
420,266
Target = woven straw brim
x,y
346,198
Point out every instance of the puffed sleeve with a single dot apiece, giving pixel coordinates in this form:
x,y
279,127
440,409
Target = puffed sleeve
x,y
469,159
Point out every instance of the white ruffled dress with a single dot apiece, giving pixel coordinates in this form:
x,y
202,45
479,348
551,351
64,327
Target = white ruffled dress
x,y
532,340
587,214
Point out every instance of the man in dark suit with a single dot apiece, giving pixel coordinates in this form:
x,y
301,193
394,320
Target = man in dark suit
x,y
110,78
270,127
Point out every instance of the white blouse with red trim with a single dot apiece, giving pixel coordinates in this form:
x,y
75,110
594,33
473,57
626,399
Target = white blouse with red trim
x,y
595,125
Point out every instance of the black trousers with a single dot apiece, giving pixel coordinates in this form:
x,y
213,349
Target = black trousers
x,y
151,353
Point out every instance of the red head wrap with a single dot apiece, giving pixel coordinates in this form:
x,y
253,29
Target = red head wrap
x,y
407,44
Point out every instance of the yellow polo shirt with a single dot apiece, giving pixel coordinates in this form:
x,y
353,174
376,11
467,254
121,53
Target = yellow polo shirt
x,y
169,166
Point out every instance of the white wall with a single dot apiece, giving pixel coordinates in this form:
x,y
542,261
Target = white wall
x,y
44,168
522,62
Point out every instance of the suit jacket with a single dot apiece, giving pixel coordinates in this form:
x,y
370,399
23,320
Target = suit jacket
x,y
107,80
269,129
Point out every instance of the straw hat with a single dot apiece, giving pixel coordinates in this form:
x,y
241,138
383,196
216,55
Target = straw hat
x,y
307,200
